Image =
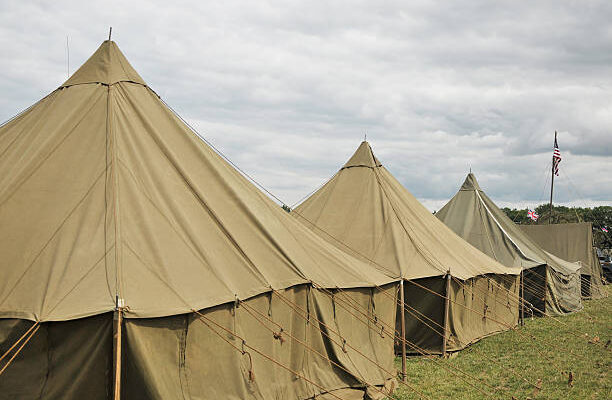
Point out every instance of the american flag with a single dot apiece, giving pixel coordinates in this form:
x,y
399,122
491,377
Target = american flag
x,y
556,157
532,214
604,228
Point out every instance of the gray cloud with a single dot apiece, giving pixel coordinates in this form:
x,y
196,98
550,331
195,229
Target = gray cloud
x,y
287,89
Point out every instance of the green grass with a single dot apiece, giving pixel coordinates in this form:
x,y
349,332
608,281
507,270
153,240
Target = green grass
x,y
557,348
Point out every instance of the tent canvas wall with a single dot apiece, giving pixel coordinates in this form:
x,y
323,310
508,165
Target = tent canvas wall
x,y
364,210
552,285
111,206
572,242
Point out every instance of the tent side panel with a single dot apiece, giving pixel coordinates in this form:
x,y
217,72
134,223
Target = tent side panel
x,y
365,319
63,360
562,292
180,357
480,307
572,242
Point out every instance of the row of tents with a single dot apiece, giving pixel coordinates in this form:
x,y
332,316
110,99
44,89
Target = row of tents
x,y
136,262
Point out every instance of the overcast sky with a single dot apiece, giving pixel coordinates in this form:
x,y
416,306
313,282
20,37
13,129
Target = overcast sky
x,y
287,89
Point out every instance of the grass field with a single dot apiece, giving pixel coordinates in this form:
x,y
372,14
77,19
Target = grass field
x,y
558,347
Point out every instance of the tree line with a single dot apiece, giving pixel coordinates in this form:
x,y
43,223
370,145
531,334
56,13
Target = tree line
x,y
600,217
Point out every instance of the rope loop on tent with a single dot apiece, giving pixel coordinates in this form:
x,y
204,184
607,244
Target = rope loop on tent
x,y
279,336
251,372
397,337
270,305
301,313
252,311
207,322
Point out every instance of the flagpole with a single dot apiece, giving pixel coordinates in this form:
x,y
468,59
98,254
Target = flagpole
x,y
552,185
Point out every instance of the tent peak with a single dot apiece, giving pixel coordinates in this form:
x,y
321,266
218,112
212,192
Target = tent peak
x,y
363,157
470,183
107,65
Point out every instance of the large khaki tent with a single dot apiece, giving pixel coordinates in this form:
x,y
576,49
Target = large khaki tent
x,y
108,201
366,211
572,242
552,285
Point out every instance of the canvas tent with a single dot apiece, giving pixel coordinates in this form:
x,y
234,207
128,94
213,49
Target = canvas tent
x,y
572,242
108,201
366,211
552,285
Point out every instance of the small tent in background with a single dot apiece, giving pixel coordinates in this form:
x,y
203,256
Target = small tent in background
x,y
572,242
552,285
363,209
110,206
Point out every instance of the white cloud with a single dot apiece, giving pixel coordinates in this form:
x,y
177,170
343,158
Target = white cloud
x,y
287,89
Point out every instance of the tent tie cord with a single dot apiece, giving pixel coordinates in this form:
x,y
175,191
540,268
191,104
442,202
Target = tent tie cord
x,y
501,323
420,350
358,253
226,158
484,316
557,320
363,256
491,285
531,307
19,340
533,338
244,173
414,346
296,307
30,334
252,310
236,166
453,301
205,320
432,357
242,350
398,336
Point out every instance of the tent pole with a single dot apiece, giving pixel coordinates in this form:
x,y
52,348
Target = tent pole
x,y
446,310
403,321
552,185
522,297
118,320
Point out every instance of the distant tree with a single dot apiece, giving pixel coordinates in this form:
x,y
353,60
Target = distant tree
x,y
518,216
599,216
